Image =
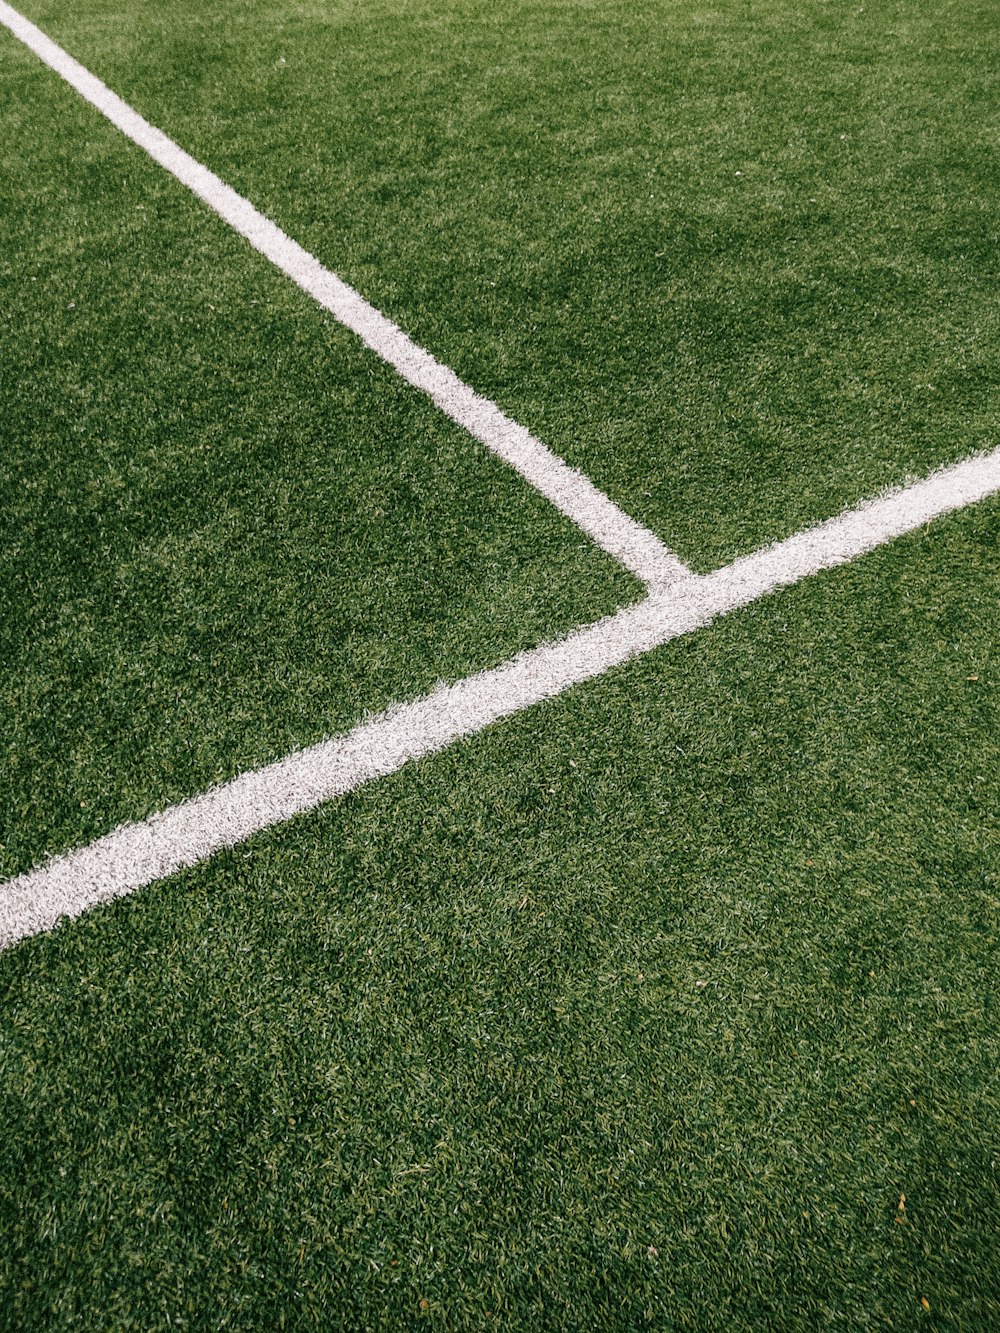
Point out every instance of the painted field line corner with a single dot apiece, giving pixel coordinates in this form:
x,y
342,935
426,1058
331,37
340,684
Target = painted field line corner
x,y
136,855
638,549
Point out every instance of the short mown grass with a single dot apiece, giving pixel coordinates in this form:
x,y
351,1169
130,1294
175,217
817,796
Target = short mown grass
x,y
227,529
667,1004
738,261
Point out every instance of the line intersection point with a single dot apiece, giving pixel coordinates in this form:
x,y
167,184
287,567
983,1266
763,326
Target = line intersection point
x,y
678,602
136,855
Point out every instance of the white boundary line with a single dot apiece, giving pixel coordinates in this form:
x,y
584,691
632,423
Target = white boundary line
x,y
136,855
638,549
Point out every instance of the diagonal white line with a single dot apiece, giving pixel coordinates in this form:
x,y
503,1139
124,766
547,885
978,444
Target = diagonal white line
x,y
638,549
135,855
138,854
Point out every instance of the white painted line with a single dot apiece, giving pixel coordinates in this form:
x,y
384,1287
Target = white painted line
x,y
638,549
135,855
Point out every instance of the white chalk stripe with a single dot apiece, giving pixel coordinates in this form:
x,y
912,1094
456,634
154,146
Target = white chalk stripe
x,y
135,855
638,549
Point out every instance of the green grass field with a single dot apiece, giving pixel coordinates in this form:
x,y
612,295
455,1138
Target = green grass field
x,y
669,1003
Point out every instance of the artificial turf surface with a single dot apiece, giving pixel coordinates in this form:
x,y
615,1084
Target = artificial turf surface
x,y
227,529
670,1003
645,1008
738,262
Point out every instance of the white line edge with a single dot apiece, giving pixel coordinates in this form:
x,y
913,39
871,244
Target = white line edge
x,y
136,855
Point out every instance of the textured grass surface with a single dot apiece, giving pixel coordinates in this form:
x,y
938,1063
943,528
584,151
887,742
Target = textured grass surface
x,y
668,1004
738,262
227,530
644,1009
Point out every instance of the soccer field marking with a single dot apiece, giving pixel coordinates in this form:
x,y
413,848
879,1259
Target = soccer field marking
x,y
135,855
634,546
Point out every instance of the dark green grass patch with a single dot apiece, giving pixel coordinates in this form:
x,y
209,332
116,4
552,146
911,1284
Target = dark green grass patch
x,y
668,1004
738,262
226,530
